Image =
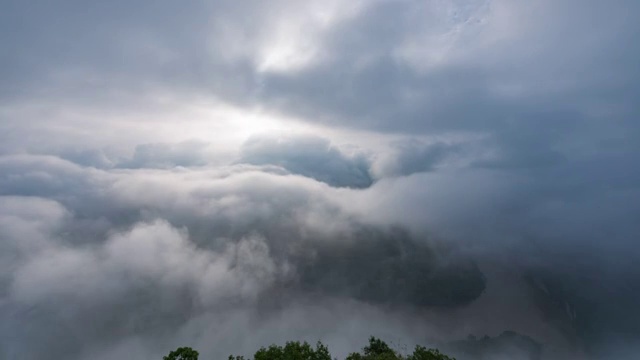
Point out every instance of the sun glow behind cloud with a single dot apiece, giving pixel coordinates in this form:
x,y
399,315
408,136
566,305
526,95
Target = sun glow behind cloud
x,y
160,118
297,42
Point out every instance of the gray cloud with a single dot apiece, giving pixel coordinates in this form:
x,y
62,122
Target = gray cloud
x,y
162,155
105,242
106,257
499,133
309,156
412,156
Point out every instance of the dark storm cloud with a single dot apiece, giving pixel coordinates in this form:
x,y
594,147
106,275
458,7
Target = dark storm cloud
x,y
411,156
580,241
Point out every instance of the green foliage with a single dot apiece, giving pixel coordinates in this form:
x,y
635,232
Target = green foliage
x,y
295,350
376,350
379,350
377,347
422,353
182,353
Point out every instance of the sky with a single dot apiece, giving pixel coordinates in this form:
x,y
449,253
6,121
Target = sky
x,y
229,174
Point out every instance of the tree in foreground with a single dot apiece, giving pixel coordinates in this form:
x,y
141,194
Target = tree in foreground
x,y
295,350
379,350
182,353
